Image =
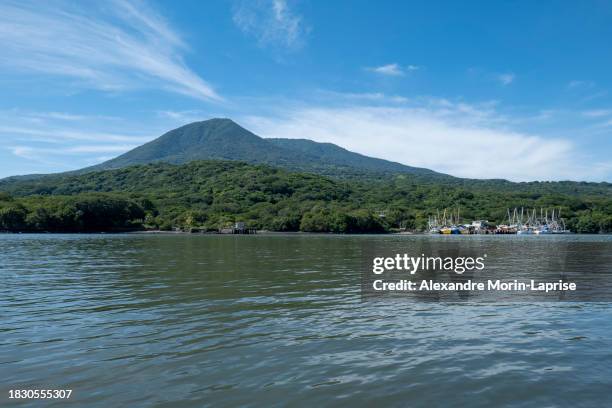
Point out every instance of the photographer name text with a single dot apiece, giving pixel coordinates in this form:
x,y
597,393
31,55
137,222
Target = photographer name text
x,y
405,285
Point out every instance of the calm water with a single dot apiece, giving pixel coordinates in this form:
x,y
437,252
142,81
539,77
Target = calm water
x,y
176,320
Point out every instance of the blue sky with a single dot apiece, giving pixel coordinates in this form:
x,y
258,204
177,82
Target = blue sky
x,y
517,90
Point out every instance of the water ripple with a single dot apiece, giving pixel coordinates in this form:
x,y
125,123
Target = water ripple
x,y
134,320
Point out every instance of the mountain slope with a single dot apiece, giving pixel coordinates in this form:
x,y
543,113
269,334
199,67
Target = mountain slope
x,y
331,153
212,139
223,139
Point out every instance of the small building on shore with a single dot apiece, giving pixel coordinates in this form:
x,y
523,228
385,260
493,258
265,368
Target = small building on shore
x,y
237,228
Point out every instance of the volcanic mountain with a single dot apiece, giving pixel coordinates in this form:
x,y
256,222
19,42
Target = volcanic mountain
x,y
223,139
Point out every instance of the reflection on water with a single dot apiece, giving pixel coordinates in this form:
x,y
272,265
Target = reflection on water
x,y
177,320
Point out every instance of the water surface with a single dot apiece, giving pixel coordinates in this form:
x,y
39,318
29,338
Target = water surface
x,y
191,321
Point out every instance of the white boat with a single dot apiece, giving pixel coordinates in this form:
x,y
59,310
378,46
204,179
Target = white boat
x,y
543,230
565,231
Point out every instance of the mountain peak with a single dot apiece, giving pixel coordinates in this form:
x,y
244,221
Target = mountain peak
x,y
224,139
215,121
211,123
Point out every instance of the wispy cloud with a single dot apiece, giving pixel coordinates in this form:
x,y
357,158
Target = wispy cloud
x,y
52,141
506,79
594,95
587,90
452,137
30,152
184,116
61,134
378,97
393,69
120,45
271,22
60,116
580,84
597,113
63,158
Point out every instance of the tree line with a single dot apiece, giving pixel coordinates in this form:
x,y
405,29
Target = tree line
x,y
208,195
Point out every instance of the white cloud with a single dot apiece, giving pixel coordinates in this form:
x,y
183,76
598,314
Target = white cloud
x,y
183,117
32,152
389,69
588,90
597,113
118,45
61,134
52,159
23,151
60,116
506,79
595,95
271,22
99,149
393,69
52,141
455,138
101,159
364,96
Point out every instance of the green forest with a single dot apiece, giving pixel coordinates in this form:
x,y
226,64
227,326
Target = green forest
x,y
209,195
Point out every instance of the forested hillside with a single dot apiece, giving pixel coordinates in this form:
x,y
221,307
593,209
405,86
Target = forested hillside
x,y
208,195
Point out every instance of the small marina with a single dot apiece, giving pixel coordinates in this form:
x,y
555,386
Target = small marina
x,y
519,222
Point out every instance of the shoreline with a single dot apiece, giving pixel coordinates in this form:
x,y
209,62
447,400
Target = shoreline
x,y
265,232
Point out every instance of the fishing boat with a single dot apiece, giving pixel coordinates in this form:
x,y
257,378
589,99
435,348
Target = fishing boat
x,y
452,230
446,224
529,223
543,230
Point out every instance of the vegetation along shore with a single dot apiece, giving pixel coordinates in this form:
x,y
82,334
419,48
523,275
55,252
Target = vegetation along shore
x,y
210,195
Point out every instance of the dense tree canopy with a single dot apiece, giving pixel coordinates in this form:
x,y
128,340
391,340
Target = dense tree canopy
x,y
208,195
